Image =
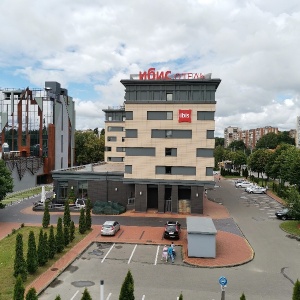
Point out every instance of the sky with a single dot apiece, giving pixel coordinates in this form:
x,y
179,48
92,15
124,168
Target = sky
x,y
89,46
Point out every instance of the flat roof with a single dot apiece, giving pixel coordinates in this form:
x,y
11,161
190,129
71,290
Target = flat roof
x,y
201,225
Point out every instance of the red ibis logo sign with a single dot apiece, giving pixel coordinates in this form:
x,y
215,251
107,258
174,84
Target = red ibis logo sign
x,y
185,115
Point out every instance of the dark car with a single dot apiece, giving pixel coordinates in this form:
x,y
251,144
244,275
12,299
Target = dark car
x,y
172,230
284,214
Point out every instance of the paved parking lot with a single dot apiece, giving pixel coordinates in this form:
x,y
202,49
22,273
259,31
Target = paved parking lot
x,y
110,262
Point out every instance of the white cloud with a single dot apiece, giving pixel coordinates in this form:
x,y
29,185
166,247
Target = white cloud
x,y
251,45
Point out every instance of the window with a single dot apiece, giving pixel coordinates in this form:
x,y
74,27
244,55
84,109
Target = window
x,y
63,190
204,152
210,134
120,149
83,189
169,133
111,138
123,139
131,133
128,169
205,115
130,200
169,96
168,170
159,115
107,149
170,151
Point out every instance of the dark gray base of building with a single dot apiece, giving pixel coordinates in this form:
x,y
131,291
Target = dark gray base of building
x,y
141,197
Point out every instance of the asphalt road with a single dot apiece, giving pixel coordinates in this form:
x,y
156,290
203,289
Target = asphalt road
x,y
271,274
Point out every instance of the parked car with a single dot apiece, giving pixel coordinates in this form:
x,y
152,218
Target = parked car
x,y
172,230
110,228
284,214
239,180
80,203
243,184
250,187
257,190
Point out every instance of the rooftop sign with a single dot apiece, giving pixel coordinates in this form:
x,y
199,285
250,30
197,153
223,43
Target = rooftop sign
x,y
152,74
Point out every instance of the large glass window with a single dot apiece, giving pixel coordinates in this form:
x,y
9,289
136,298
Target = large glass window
x,y
83,189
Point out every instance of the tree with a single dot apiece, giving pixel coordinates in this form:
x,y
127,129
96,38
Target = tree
x,y
47,248
52,243
71,196
60,243
67,214
219,142
20,266
66,235
257,161
31,295
180,296
284,137
82,225
32,257
88,218
6,180
46,216
89,148
19,289
237,145
86,295
218,155
296,291
293,202
127,289
72,231
41,250
268,141
243,297
57,297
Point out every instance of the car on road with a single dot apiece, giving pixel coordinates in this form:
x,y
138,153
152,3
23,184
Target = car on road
x,y
80,203
110,228
284,214
172,230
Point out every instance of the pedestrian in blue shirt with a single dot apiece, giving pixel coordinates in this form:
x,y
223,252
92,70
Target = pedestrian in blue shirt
x,y
170,254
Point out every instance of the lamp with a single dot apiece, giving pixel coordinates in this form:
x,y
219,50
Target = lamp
x,y
197,194
141,193
116,189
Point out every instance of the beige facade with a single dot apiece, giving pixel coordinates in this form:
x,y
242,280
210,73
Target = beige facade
x,y
144,167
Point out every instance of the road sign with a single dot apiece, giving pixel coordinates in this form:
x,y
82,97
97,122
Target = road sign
x,y
223,281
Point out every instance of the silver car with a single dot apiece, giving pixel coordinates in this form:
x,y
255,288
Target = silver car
x,y
110,228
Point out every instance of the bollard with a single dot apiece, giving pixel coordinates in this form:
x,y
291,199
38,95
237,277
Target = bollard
x,y
101,289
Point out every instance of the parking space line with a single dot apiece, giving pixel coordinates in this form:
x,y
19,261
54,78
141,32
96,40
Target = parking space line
x,y
143,297
108,296
107,253
74,295
157,251
131,254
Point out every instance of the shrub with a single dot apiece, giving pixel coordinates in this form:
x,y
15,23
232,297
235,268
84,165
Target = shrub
x,y
296,291
31,295
60,243
19,289
32,257
127,289
82,225
46,216
52,243
20,267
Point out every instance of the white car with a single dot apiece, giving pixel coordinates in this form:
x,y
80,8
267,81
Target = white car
x,y
258,190
250,187
110,228
243,184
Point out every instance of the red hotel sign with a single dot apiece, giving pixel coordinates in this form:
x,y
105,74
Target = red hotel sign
x,y
152,74
185,115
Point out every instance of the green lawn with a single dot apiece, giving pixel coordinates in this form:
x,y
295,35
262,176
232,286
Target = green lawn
x,y
13,197
7,254
291,227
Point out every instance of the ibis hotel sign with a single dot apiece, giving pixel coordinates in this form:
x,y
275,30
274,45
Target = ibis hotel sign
x,y
152,74
185,115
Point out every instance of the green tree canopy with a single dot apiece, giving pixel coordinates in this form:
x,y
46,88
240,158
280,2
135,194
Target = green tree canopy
x,y
6,180
257,161
219,142
89,148
268,141
237,145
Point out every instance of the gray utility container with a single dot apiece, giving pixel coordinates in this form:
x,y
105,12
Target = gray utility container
x,y
201,237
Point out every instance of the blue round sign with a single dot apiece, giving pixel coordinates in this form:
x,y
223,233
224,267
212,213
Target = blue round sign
x,y
223,280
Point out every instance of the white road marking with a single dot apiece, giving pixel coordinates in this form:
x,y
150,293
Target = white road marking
x,y
74,295
157,251
107,253
131,254
143,297
108,296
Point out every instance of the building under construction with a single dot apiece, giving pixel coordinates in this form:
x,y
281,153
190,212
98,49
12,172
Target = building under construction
x,y
37,133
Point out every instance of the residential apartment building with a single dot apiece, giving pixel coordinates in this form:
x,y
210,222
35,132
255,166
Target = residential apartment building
x,y
37,133
165,159
250,137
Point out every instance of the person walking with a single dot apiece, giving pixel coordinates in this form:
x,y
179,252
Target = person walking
x,y
170,253
173,247
164,255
